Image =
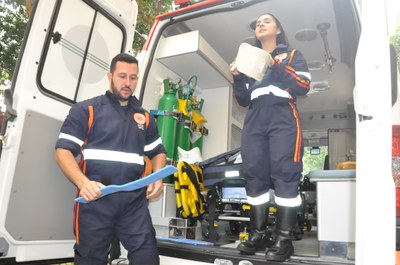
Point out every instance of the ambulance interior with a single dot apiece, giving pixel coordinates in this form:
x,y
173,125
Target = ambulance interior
x,y
196,43
327,33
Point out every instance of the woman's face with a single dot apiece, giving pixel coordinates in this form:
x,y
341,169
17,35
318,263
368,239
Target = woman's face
x,y
266,28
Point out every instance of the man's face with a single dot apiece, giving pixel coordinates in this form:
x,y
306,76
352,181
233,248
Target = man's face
x,y
123,80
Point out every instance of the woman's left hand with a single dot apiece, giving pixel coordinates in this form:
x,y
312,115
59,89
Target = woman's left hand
x,y
233,69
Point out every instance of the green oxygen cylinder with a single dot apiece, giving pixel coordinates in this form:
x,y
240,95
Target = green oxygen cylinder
x,y
167,123
183,131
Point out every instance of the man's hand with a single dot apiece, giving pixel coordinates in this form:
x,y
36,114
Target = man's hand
x,y
154,189
90,190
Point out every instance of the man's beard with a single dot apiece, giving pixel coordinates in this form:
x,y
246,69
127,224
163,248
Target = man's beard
x,y
122,99
116,92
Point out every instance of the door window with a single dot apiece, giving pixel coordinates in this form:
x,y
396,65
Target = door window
x,y
80,44
315,158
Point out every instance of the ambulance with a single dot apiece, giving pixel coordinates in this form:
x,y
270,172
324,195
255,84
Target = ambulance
x,y
350,118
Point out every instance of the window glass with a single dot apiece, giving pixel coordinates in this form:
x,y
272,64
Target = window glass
x,y
78,52
312,160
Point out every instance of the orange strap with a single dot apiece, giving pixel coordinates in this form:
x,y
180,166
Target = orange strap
x,y
147,119
148,169
82,165
291,56
90,119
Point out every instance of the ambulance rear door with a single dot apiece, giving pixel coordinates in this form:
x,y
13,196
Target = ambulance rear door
x,y
64,58
375,190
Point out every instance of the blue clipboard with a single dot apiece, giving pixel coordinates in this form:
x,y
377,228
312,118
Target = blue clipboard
x,y
134,185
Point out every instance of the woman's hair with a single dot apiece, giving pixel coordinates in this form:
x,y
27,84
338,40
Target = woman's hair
x,y
280,39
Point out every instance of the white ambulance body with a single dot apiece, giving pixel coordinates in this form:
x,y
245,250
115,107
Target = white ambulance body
x,y
350,109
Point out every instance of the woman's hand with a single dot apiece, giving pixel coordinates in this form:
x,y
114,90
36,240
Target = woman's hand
x,y
233,69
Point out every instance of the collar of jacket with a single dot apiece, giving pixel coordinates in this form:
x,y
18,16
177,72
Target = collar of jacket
x,y
280,48
133,102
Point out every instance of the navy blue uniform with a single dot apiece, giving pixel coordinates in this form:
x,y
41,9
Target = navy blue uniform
x,y
114,154
271,145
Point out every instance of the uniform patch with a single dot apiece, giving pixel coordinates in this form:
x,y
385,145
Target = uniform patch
x,y
281,56
140,119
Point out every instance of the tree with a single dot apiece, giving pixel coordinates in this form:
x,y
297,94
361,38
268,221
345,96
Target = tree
x,y
314,162
12,28
395,41
148,10
13,15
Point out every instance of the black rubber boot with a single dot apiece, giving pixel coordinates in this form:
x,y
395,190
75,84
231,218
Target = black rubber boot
x,y
259,239
283,247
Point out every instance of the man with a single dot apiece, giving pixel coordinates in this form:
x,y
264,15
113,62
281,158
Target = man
x,y
112,140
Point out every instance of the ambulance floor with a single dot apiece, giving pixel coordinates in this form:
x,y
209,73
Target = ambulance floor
x,y
308,246
305,249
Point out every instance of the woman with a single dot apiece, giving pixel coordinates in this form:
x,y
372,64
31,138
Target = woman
x,y
271,145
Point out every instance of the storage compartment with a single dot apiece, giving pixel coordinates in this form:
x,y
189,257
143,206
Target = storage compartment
x,y
336,208
184,229
189,54
183,56
163,209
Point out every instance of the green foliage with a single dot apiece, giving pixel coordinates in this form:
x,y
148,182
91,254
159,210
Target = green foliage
x,y
13,22
395,41
12,27
148,10
314,162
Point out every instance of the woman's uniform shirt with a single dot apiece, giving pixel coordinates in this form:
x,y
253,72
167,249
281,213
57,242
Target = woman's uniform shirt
x,y
282,82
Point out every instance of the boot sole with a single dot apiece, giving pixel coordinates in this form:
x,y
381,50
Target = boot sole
x,y
279,257
246,251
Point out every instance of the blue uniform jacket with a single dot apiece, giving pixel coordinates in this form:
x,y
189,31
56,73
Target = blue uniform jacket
x,y
117,142
294,79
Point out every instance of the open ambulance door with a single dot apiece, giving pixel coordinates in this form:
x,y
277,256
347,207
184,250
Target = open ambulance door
x,y
64,58
375,190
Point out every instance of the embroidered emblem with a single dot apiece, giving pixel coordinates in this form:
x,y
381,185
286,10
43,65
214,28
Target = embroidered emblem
x,y
140,120
281,57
